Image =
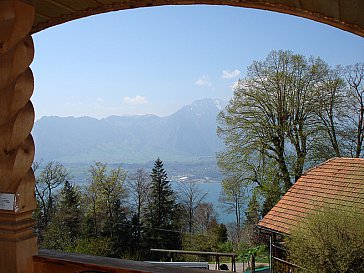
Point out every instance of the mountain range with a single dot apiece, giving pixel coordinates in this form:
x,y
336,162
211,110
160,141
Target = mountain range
x,y
184,136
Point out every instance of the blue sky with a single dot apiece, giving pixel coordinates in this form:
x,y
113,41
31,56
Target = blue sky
x,y
155,60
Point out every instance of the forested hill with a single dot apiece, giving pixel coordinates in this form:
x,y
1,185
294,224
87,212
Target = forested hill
x,y
188,134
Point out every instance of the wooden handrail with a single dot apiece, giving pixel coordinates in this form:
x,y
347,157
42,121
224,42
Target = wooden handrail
x,y
223,254
217,255
49,261
288,263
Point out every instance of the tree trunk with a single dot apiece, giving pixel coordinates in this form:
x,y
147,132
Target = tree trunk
x,y
360,133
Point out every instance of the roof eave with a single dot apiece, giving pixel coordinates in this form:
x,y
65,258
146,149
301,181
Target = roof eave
x,y
269,231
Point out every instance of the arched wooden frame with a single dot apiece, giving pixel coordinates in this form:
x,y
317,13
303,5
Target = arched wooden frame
x,y
17,22
345,15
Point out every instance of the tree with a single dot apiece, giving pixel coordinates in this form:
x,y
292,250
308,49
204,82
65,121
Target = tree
x,y
340,113
252,212
160,212
69,210
355,115
56,237
100,246
252,217
190,196
232,197
64,230
118,229
50,178
272,193
256,171
205,216
139,186
331,102
212,239
331,240
273,112
208,235
106,189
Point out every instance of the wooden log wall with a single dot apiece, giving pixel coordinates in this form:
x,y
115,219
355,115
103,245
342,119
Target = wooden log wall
x,y
17,199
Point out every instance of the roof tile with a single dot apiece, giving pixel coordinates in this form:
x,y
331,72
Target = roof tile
x,y
338,179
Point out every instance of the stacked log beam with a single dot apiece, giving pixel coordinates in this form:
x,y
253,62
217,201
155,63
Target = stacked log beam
x,y
17,240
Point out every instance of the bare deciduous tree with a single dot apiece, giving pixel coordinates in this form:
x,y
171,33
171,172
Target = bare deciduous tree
x,y
190,196
139,187
355,80
50,178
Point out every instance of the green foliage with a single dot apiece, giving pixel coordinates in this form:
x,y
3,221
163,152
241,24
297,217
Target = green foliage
x,y
227,247
221,232
263,254
56,237
65,226
101,246
190,198
200,241
252,211
252,217
272,193
105,190
289,113
205,217
98,220
214,239
274,107
233,197
52,176
245,252
160,217
69,212
162,198
331,240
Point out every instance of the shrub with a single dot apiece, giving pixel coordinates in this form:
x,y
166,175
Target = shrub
x,y
331,240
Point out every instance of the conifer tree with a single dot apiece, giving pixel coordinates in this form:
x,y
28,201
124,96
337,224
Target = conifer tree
x,y
64,229
160,212
69,210
252,214
253,211
118,230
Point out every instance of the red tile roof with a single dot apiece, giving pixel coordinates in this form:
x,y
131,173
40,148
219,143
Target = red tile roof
x,y
336,180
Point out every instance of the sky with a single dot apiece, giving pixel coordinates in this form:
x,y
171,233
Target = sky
x,y
158,59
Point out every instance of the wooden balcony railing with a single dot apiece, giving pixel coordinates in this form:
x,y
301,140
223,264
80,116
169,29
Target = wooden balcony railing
x,y
49,261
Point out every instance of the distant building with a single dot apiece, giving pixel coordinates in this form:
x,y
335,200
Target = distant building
x,y
336,180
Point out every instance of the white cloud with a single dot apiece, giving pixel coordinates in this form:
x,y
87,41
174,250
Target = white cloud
x,y
204,81
226,74
72,104
135,100
100,100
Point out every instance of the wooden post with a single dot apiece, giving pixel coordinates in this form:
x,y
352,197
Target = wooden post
x,y
270,254
18,243
233,264
253,263
217,264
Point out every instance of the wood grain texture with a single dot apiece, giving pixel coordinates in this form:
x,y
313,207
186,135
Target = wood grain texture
x,y
346,15
17,240
60,262
12,29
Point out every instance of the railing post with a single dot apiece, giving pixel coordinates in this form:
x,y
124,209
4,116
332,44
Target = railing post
x,y
270,253
18,243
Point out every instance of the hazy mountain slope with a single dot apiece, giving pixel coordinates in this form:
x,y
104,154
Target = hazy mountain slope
x,y
188,134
